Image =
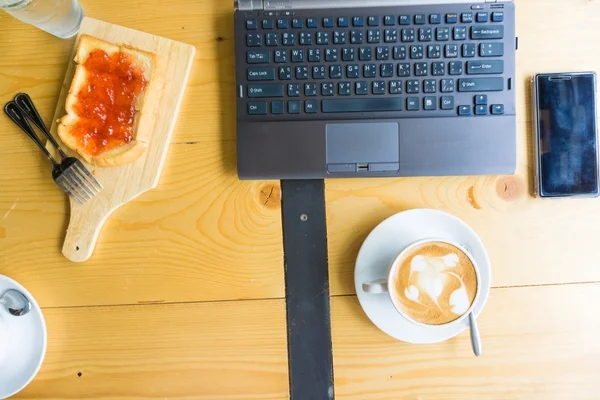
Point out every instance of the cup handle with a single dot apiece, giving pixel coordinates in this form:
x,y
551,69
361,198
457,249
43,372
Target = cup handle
x,y
377,286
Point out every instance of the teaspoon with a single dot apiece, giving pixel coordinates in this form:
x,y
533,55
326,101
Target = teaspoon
x,y
15,303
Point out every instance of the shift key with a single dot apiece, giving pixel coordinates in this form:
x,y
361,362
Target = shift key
x,y
480,84
266,90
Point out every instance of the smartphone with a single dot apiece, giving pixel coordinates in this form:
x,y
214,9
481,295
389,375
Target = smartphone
x,y
566,139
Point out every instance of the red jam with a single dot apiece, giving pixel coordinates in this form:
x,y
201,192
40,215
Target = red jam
x,y
106,103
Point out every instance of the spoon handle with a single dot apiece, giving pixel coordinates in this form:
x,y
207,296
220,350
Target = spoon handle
x,y
475,341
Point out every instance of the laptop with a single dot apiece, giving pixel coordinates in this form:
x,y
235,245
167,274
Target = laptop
x,y
350,88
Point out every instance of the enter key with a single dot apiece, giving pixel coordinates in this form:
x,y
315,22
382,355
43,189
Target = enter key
x,y
485,67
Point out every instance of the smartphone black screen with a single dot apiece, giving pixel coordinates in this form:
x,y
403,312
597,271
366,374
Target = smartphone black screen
x,y
567,135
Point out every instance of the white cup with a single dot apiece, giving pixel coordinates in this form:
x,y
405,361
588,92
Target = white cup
x,y
381,287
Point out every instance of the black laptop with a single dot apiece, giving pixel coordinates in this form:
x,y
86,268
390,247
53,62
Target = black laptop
x,y
335,89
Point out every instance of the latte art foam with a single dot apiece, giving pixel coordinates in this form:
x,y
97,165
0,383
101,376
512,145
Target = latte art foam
x,y
435,283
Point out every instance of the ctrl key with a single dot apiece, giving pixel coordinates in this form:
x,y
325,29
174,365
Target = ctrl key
x,y
257,108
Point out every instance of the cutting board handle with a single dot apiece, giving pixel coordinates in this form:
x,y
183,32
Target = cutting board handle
x,y
83,232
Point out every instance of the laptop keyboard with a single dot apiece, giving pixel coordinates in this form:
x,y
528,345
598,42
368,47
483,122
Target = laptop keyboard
x,y
416,64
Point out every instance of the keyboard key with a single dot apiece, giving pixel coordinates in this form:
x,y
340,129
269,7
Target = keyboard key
x,y
266,90
483,17
318,72
358,21
480,110
258,57
335,71
327,89
421,69
487,32
429,103
451,18
447,103
356,37
451,51
497,16
455,67
481,99
365,54
435,19
285,73
257,108
466,18
343,22
314,55
447,85
362,105
294,106
399,53
468,50
408,35
416,52
497,109
412,86
438,68
361,88
429,86
302,72
369,70
491,49
253,39
387,70
328,22
311,106
412,104
420,19
277,107
389,20
252,25
434,51
312,23
297,55
261,74
464,110
339,37
403,69
404,20
297,23
288,38
352,71
344,88
480,84
281,56
460,33
283,23
442,34
382,53
373,36
272,39
373,21
378,87
425,34
293,90
390,36
395,87
322,38
348,54
331,55
268,24
310,89
485,67
306,38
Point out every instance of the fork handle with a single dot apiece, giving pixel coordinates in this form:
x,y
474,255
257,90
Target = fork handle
x,y
26,105
16,115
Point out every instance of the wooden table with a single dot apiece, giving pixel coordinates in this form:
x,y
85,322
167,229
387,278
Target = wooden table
x,y
184,296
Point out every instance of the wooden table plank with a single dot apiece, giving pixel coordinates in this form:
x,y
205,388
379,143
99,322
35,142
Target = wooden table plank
x,y
500,208
201,235
212,351
538,343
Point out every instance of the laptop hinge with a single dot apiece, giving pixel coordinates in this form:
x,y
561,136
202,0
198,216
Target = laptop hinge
x,y
248,5
316,4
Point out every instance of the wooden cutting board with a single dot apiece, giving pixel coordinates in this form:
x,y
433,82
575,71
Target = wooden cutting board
x,y
125,183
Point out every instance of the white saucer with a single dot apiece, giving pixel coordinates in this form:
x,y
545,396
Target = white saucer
x,y
22,343
385,242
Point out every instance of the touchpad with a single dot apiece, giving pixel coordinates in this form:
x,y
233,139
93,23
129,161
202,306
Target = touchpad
x,y
363,143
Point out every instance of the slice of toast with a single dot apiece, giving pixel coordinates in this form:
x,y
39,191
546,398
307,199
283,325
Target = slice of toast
x,y
86,125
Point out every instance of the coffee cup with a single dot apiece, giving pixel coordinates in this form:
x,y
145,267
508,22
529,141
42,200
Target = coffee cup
x,y
431,282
